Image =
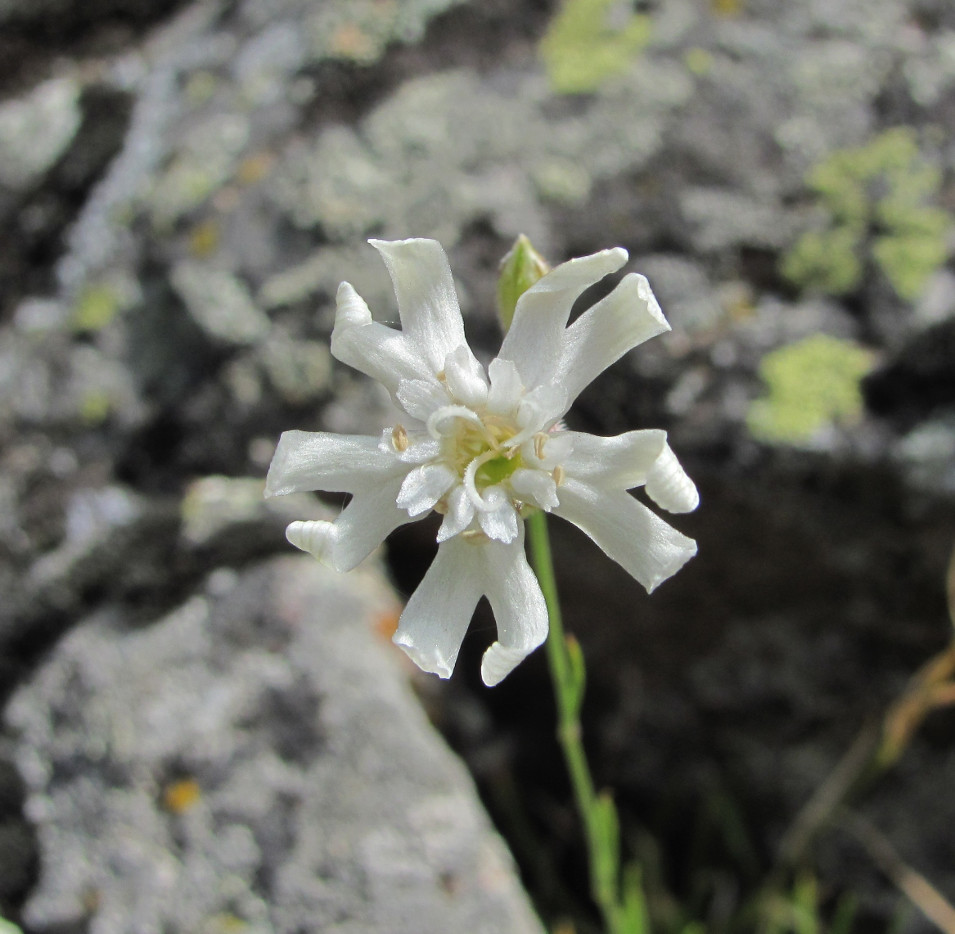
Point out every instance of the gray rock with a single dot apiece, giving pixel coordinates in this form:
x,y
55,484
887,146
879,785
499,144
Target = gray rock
x,y
254,758
220,304
927,456
720,219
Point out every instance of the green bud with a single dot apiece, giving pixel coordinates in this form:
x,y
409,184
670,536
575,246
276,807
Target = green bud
x,y
520,269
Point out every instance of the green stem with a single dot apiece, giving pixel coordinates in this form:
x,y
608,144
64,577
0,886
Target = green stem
x,y
567,674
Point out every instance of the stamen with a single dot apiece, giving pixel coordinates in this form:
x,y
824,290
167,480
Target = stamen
x,y
540,439
558,474
399,438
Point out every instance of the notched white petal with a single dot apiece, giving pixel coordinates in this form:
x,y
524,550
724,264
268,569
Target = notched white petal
x,y
427,302
380,352
535,339
627,317
423,487
433,623
518,606
669,486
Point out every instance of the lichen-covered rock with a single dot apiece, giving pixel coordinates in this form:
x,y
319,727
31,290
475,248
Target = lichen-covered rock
x,y
252,759
36,129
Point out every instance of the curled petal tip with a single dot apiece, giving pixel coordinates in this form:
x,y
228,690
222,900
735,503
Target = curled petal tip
x,y
498,662
313,536
669,486
350,307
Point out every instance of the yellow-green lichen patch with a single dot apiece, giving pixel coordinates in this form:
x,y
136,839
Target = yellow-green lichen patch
x,y
876,197
584,46
95,407
95,307
812,384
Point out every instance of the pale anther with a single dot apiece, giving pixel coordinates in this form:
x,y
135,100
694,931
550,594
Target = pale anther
x,y
399,437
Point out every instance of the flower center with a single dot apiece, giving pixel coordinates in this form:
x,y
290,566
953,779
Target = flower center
x,y
477,446
482,446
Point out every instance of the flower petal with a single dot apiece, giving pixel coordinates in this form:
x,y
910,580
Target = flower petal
x,y
357,532
506,390
518,605
627,531
669,486
319,460
621,462
421,397
434,622
535,486
465,377
499,523
427,302
628,316
424,486
371,348
548,449
541,407
459,515
535,338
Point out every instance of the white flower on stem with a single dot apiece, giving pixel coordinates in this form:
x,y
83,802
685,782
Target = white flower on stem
x,y
486,447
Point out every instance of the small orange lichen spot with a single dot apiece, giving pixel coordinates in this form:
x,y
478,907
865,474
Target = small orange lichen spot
x,y
91,900
350,42
386,624
204,238
254,168
179,796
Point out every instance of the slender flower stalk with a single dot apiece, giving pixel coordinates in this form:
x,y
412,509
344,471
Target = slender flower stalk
x,y
597,813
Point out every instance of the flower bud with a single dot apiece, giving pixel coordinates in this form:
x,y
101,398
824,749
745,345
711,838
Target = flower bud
x,y
521,267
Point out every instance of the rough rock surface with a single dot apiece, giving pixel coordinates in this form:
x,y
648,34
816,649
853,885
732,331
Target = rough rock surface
x,y
252,761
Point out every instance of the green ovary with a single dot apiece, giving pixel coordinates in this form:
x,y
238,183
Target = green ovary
x,y
486,442
496,470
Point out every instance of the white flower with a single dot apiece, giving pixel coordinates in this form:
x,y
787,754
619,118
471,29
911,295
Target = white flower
x,y
484,448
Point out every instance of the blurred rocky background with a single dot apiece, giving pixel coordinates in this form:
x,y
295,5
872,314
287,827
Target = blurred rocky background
x,y
204,733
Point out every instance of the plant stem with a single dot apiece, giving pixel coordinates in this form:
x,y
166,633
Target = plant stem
x,y
597,812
